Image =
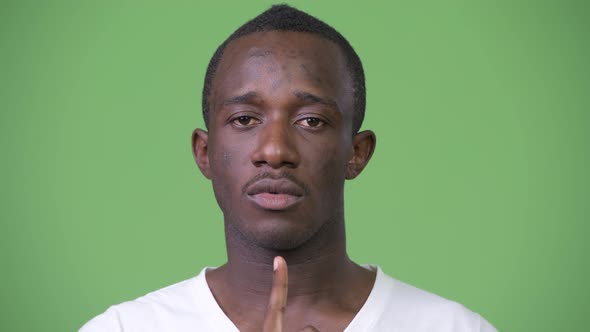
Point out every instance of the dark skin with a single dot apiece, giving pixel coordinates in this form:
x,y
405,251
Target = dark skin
x,y
279,149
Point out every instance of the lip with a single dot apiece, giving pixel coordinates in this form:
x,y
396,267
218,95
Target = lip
x,y
274,202
274,195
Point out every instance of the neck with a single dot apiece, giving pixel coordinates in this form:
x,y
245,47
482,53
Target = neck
x,y
320,269
322,279
313,266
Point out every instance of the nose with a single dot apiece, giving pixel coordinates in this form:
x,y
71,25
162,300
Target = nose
x,y
276,147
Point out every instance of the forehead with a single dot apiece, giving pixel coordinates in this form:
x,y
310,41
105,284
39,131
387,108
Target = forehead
x,y
279,59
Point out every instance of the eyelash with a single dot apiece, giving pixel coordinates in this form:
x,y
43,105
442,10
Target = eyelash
x,y
236,121
320,124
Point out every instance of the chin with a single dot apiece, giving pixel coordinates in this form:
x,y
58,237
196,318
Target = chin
x,y
277,234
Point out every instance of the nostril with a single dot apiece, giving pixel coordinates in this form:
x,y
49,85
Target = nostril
x,y
276,148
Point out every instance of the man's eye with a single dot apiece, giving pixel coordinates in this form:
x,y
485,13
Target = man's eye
x,y
311,122
245,121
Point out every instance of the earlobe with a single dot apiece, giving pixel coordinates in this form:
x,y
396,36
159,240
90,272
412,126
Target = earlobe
x,y
200,141
363,147
351,172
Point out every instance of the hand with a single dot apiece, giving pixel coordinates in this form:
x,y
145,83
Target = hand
x,y
273,321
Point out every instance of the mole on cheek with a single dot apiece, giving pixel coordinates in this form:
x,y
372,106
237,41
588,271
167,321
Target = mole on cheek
x,y
224,158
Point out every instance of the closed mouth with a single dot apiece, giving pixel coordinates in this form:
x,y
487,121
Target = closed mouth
x,y
274,195
277,187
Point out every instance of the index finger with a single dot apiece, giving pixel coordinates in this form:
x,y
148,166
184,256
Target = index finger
x,y
273,320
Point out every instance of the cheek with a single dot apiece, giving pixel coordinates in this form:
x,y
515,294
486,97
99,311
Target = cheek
x,y
329,166
224,158
220,159
225,177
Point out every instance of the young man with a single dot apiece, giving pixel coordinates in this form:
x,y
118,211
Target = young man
x,y
283,101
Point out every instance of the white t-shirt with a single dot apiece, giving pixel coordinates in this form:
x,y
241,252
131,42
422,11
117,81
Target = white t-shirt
x,y
190,306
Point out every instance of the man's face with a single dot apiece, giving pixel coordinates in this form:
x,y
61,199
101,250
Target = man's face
x,y
280,136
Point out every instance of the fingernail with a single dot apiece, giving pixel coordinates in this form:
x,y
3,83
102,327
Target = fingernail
x,y
275,264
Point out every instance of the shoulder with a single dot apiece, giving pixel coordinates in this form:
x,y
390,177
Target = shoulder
x,y
406,305
168,304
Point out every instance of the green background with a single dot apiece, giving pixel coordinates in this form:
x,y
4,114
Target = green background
x,y
479,189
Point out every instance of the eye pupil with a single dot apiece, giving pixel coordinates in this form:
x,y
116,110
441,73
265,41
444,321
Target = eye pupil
x,y
244,120
312,122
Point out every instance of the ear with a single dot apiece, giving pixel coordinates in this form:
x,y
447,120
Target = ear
x,y
200,151
363,145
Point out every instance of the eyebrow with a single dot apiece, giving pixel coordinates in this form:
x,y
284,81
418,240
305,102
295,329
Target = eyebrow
x,y
311,98
248,97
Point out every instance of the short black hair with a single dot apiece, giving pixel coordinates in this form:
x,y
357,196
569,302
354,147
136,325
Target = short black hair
x,y
286,18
